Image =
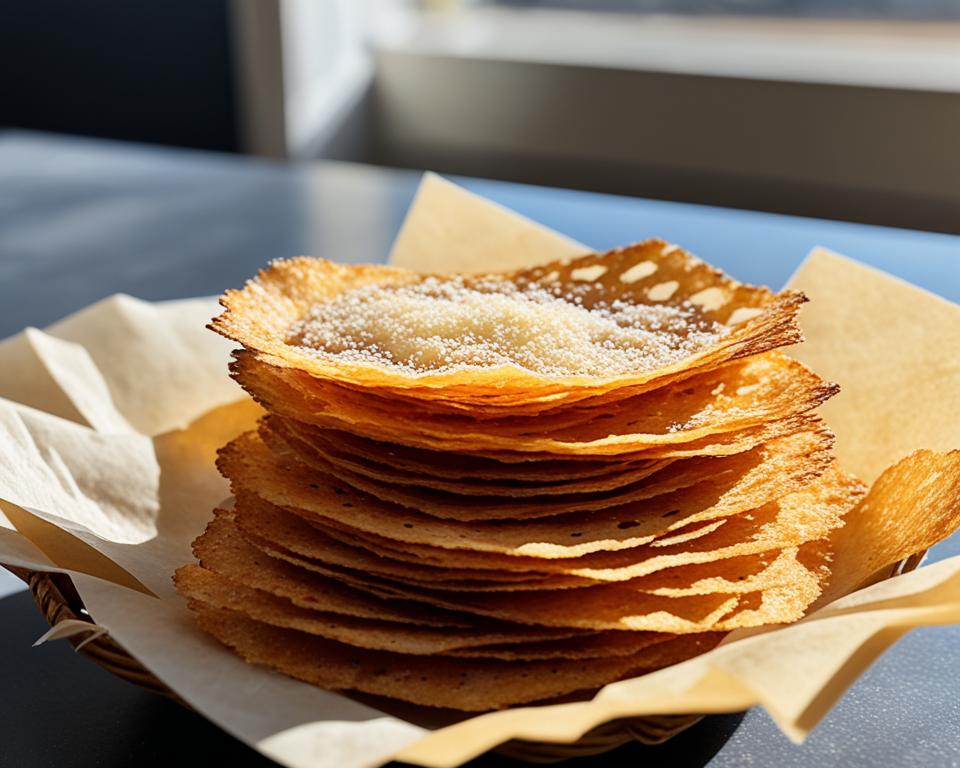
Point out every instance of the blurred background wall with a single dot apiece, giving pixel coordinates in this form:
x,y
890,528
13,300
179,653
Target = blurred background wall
x,y
847,109
154,72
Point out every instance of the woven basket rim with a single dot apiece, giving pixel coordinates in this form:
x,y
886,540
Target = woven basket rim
x,y
53,598
58,601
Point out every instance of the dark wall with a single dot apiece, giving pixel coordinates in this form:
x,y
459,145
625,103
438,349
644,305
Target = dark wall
x,y
143,71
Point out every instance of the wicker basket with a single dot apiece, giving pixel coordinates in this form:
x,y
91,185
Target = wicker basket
x,y
58,601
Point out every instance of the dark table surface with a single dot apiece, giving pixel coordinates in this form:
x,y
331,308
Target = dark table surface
x,y
82,219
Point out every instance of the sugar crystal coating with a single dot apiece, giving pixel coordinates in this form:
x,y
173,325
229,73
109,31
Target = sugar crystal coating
x,y
449,324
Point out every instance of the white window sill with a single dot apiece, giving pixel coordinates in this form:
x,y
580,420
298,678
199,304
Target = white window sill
x,y
887,54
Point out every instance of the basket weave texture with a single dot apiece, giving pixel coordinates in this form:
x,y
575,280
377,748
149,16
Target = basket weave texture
x,y
58,601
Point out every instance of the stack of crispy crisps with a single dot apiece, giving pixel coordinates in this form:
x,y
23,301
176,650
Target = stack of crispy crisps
x,y
474,492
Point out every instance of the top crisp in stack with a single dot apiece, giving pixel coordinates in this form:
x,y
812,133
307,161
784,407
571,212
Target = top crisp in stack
x,y
476,491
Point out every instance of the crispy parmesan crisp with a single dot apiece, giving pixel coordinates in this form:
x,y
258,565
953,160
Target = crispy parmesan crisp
x,y
478,491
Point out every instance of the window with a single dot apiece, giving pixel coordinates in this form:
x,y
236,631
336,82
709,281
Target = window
x,y
926,10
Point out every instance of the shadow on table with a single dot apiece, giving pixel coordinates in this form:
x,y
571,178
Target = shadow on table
x,y
693,748
60,710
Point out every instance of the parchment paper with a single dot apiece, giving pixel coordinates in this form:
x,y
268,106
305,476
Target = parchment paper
x,y
109,422
117,510
894,349
449,229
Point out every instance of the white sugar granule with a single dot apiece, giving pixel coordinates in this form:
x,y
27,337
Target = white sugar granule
x,y
445,325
